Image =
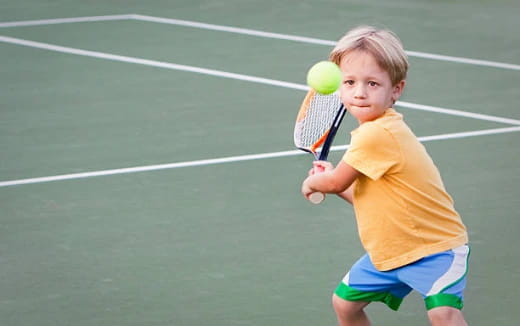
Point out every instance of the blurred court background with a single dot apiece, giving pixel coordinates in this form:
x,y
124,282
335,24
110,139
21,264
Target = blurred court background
x,y
216,236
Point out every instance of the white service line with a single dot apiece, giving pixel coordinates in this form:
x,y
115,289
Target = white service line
x,y
469,61
223,74
230,159
466,114
252,32
152,63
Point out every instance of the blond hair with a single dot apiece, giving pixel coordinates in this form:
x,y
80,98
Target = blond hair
x,y
382,44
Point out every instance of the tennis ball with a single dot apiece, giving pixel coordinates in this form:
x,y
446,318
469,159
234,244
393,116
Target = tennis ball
x,y
324,77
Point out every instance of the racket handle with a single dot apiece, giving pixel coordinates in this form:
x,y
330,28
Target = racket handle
x,y
316,197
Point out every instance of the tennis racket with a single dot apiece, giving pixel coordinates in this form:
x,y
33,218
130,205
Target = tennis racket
x,y
317,122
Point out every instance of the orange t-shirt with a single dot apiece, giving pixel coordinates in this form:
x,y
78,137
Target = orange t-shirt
x,y
402,209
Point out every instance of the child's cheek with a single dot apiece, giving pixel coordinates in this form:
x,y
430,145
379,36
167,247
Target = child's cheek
x,y
343,95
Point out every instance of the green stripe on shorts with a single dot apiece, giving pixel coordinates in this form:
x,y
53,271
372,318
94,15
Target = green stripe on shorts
x,y
443,300
347,293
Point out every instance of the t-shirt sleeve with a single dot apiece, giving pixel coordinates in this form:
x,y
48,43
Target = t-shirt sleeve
x,y
373,151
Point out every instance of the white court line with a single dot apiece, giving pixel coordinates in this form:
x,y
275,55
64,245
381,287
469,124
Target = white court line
x,y
152,63
223,74
229,159
66,20
469,61
459,113
251,32
455,135
310,40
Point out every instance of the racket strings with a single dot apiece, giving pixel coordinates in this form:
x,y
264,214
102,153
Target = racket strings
x,y
314,121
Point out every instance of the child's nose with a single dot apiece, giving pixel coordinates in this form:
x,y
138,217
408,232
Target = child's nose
x,y
360,91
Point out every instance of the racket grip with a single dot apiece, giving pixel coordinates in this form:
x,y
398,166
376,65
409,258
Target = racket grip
x,y
316,197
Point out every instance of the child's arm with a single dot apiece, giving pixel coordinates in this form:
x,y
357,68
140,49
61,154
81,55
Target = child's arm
x,y
347,194
333,180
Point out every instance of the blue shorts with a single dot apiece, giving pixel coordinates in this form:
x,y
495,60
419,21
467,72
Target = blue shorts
x,y
440,278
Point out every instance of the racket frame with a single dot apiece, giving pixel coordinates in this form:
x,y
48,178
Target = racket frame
x,y
325,141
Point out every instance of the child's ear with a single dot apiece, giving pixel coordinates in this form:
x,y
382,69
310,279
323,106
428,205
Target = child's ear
x,y
398,90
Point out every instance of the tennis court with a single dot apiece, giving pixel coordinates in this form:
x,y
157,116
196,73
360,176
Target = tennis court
x,y
148,175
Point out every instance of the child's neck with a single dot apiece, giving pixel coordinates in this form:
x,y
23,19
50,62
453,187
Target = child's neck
x,y
379,116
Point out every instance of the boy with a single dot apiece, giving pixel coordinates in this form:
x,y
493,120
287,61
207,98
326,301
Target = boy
x,y
414,238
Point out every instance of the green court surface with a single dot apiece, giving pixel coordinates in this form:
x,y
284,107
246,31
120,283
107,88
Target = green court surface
x,y
148,175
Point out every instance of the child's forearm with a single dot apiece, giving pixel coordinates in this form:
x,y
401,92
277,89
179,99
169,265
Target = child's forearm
x,y
332,181
347,195
323,182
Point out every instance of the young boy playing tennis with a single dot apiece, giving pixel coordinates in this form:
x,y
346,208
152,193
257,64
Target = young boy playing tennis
x,y
414,238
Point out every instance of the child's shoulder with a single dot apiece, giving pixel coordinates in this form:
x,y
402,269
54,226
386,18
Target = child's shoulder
x,y
372,134
386,130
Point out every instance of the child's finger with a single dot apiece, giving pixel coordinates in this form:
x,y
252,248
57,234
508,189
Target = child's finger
x,y
321,166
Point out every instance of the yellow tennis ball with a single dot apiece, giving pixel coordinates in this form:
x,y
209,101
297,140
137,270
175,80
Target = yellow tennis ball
x,y
324,77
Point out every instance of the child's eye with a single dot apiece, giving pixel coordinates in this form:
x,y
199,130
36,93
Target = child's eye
x,y
349,82
372,83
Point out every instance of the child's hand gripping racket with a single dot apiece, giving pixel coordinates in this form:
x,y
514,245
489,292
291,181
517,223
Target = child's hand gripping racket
x,y
316,125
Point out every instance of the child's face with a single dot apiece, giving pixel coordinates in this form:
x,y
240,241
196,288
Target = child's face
x,y
366,89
